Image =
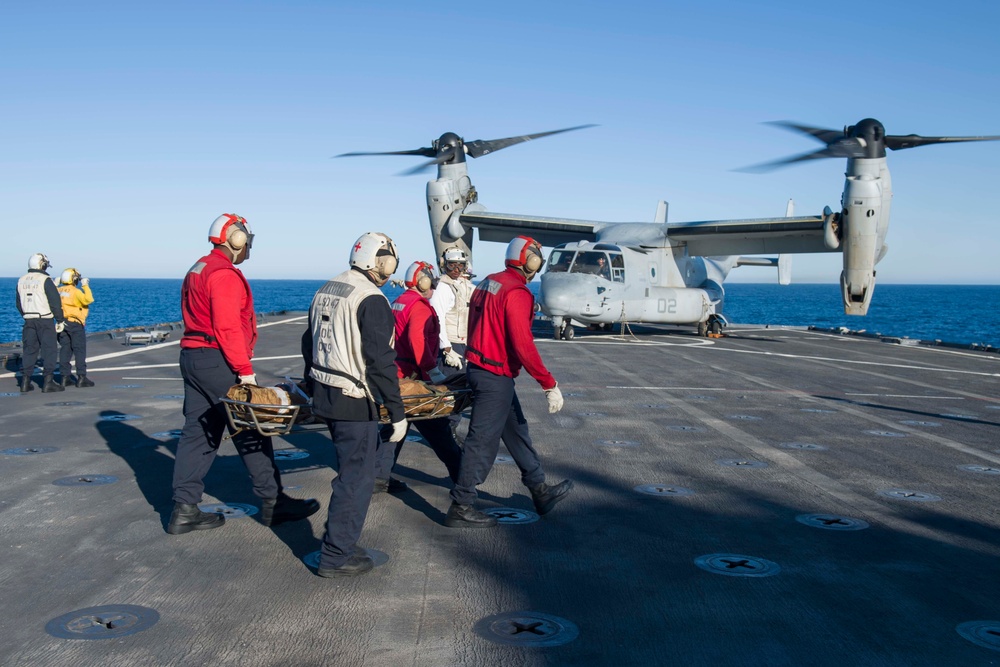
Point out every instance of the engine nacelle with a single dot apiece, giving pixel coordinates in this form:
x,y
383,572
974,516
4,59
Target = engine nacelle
x,y
446,198
864,221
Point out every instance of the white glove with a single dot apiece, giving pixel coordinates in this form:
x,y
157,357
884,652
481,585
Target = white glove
x,y
436,376
84,282
398,430
249,379
555,399
60,326
453,358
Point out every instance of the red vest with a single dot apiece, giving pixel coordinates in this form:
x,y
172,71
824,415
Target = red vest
x,y
199,328
489,345
403,309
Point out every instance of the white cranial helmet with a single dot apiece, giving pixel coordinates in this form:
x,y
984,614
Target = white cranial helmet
x,y
38,262
374,251
454,254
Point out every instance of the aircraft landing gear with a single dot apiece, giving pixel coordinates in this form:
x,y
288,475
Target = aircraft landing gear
x,y
564,331
711,328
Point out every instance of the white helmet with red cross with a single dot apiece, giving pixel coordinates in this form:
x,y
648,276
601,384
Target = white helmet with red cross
x,y
375,251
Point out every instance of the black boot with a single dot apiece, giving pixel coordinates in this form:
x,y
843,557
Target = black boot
x,y
186,518
51,385
467,516
274,511
62,380
82,381
26,384
355,565
547,495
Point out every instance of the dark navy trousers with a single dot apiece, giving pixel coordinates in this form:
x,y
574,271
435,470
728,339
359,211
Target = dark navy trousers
x,y
351,489
207,377
73,344
496,413
437,433
39,334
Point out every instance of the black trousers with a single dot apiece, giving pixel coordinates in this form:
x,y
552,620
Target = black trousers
x,y
207,377
437,433
496,413
38,334
73,344
350,490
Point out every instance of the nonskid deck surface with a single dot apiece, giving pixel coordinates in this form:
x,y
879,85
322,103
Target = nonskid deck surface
x,y
854,481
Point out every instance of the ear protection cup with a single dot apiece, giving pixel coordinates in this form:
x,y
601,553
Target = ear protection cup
x,y
386,265
237,239
424,282
533,261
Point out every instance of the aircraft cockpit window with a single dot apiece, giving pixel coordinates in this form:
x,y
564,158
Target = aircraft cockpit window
x,y
560,260
593,262
617,268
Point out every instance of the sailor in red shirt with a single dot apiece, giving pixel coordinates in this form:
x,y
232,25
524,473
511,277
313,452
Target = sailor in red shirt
x,y
417,347
500,345
220,330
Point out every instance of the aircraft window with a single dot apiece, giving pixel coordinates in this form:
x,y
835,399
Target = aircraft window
x,y
560,260
592,262
617,268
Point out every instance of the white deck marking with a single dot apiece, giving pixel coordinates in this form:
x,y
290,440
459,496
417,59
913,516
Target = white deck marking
x,y
157,346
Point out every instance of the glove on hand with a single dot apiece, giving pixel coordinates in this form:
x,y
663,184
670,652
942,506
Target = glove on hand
x,y
398,430
84,282
555,399
249,379
60,326
453,358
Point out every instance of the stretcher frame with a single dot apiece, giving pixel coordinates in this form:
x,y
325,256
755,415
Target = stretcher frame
x,y
281,419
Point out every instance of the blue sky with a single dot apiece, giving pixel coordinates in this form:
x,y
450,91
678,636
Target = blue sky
x,y
126,128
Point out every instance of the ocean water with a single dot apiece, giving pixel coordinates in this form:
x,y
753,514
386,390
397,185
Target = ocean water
x,y
951,313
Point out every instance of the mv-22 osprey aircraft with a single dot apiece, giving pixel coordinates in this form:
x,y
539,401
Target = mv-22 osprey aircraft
x,y
672,273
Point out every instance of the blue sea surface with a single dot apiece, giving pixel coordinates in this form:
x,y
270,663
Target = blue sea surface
x,y
950,313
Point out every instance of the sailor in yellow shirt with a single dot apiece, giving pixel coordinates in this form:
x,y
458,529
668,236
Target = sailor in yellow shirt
x,y
76,296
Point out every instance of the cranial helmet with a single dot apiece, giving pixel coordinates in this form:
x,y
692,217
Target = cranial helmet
x,y
525,253
231,230
374,251
454,254
69,276
419,275
38,262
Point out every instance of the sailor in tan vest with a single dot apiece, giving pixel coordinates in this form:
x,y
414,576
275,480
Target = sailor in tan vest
x,y
451,303
351,365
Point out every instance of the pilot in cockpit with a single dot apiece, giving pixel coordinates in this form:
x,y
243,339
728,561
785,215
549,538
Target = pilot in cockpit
x,y
602,269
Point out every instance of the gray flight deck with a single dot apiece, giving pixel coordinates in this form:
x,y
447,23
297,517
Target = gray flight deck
x,y
855,480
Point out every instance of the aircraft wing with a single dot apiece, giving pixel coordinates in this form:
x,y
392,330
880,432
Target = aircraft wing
x,y
502,227
754,236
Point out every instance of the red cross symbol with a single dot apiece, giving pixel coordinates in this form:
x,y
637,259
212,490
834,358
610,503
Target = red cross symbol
x,y
357,247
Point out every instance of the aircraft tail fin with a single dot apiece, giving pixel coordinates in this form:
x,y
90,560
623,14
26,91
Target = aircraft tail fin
x,y
661,212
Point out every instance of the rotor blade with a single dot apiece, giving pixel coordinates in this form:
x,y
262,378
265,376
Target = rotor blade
x,y
481,147
898,142
426,152
826,136
846,147
444,155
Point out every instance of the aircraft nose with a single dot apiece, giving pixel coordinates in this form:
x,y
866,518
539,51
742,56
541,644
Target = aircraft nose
x,y
557,298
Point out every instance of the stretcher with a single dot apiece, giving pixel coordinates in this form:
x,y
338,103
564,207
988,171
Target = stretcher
x,y
269,419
